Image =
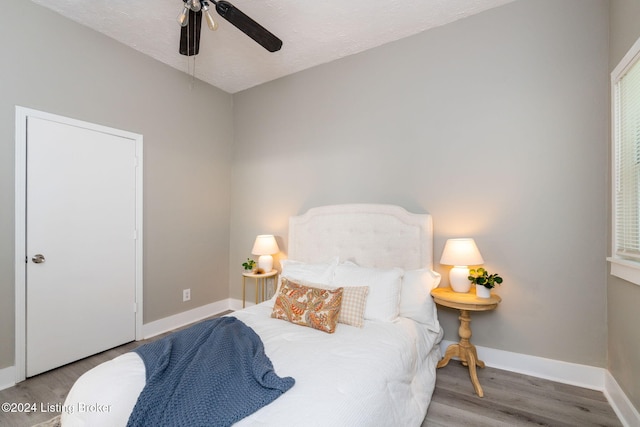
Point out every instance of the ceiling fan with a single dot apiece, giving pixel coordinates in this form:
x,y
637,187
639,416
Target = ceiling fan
x,y
190,20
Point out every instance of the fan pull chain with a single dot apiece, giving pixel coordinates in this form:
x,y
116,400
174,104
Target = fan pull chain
x,y
192,74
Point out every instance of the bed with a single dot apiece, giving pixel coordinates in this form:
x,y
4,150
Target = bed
x,y
377,367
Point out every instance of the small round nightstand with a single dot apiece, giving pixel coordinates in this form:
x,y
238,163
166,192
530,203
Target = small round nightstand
x,y
464,350
260,282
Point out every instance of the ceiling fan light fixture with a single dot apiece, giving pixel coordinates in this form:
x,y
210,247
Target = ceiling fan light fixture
x,y
211,23
183,18
195,5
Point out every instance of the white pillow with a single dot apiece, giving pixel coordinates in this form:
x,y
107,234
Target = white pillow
x,y
415,297
305,273
384,288
316,273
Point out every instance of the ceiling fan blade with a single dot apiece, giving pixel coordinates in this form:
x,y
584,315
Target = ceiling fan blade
x,y
190,35
248,26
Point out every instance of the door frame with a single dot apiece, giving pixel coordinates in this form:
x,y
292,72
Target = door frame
x,y
22,114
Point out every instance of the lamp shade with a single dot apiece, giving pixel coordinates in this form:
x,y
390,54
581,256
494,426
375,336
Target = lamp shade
x,y
461,252
265,244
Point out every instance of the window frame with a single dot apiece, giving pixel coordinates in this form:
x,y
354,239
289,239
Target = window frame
x,y
624,268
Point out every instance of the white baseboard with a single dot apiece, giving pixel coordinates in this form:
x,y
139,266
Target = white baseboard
x,y
167,324
620,403
563,372
236,304
7,377
556,370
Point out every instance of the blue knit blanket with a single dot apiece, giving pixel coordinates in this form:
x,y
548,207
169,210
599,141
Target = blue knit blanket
x,y
212,374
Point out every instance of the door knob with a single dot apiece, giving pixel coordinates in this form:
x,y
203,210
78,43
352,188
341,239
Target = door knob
x,y
38,258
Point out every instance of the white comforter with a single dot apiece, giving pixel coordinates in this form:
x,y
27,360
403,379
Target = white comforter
x,y
381,374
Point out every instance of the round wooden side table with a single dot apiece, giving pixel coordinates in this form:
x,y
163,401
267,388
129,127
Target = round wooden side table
x,y
464,350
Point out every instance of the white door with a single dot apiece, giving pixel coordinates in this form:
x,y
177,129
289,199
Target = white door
x,y
80,243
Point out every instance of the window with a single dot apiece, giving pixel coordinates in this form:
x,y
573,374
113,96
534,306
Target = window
x,y
625,104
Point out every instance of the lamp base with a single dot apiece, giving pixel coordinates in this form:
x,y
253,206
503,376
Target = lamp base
x,y
265,263
459,279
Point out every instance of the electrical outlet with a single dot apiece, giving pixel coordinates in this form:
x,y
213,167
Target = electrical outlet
x,y
186,295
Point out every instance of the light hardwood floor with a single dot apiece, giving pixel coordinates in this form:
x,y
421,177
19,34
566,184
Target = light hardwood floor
x,y
509,399
512,399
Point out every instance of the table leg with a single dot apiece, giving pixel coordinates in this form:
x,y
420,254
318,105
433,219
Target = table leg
x,y
474,375
465,351
243,290
452,351
257,281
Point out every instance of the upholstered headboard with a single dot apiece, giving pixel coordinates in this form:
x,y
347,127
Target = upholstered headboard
x,y
371,235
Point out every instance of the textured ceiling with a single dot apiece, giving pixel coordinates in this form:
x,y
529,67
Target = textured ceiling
x,y
313,32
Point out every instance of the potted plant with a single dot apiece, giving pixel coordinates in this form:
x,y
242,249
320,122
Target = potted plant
x,y
249,265
484,281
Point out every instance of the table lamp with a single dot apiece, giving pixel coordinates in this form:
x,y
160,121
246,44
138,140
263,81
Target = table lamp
x,y
460,253
265,246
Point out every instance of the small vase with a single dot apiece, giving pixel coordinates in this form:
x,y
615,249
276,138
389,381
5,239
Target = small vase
x,y
483,292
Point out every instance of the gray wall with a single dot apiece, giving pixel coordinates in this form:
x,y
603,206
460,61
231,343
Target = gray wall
x,y
623,298
55,65
496,124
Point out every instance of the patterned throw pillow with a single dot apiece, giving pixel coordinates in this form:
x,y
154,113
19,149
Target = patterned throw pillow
x,y
308,306
354,301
